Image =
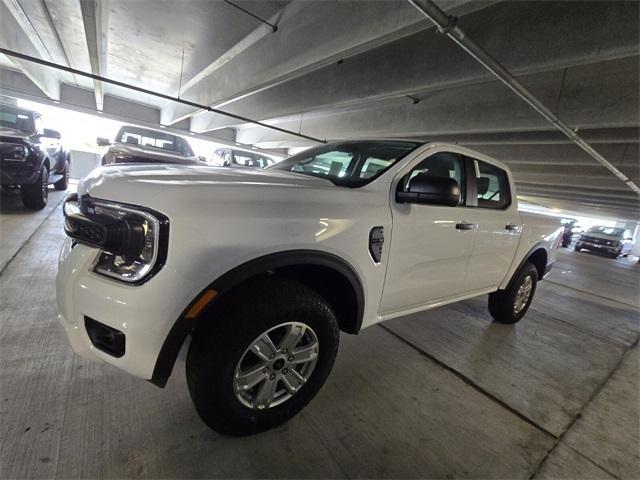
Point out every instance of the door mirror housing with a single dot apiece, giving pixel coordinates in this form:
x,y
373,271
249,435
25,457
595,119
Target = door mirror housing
x,y
103,142
49,133
429,190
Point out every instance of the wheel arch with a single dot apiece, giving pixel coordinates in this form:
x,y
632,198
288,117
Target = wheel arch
x,y
538,255
333,277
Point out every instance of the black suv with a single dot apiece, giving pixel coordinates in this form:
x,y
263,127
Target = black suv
x,y
31,157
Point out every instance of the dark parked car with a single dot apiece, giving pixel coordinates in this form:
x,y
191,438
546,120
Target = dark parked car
x,y
143,145
32,157
609,240
229,157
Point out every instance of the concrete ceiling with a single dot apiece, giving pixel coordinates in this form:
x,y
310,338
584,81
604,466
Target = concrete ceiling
x,y
337,69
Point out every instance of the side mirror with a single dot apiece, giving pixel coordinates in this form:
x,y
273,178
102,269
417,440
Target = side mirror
x,y
202,159
429,190
48,133
103,142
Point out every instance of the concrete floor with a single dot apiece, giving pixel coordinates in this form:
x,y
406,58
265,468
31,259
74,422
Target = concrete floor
x,y
446,393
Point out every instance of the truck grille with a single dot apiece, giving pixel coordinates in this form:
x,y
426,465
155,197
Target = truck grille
x,y
597,241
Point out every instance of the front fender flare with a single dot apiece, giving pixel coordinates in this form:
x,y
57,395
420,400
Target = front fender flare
x,y
183,325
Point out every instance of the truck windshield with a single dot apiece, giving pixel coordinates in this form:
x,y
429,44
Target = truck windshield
x,y
350,163
151,139
611,231
16,119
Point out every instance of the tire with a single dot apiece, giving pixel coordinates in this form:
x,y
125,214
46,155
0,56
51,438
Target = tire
x,y
502,304
577,248
35,195
218,347
63,183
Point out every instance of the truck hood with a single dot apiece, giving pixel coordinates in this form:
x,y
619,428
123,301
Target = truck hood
x,y
13,135
140,154
137,184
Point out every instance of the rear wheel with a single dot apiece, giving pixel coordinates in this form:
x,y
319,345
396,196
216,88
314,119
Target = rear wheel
x,y
263,356
35,195
510,305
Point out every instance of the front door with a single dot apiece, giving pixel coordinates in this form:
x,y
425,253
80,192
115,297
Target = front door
x,y
430,244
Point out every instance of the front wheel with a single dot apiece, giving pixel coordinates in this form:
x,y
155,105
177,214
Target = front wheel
x,y
262,357
510,305
36,195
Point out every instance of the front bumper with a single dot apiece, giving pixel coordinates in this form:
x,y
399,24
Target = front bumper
x,y
597,247
17,175
144,313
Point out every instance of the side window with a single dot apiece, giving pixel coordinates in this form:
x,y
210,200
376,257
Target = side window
x,y
493,186
441,164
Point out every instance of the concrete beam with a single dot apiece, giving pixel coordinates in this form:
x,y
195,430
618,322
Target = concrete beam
x,y
311,35
18,33
117,109
561,180
591,96
626,135
581,207
424,62
95,17
580,199
565,159
13,83
597,195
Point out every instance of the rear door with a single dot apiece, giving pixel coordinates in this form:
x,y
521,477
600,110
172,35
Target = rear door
x,y
430,244
498,223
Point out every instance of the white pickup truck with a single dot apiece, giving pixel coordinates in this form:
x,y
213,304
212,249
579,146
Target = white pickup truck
x,y
264,268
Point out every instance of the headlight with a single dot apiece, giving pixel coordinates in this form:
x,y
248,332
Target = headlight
x,y
132,255
15,153
132,240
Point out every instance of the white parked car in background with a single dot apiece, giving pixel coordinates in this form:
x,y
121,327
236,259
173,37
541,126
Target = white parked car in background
x,y
264,268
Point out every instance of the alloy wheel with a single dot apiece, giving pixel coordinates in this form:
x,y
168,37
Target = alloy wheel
x,y
276,365
523,294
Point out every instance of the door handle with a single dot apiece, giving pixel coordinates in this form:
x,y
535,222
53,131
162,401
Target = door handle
x,y
466,226
512,228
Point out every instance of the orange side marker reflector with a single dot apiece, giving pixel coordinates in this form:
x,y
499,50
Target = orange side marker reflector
x,y
202,302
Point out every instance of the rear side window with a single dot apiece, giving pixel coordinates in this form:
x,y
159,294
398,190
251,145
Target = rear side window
x,y
493,186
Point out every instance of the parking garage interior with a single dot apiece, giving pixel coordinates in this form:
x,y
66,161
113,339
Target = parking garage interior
x,y
442,393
